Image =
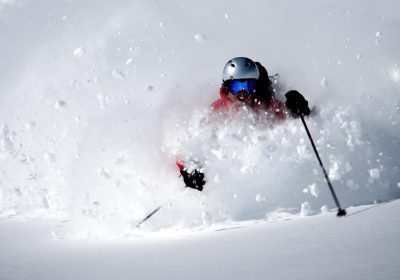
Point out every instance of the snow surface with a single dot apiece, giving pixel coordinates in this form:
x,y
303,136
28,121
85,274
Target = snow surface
x,y
363,245
97,99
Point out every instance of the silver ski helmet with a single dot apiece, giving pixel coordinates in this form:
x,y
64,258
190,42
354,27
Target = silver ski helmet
x,y
240,68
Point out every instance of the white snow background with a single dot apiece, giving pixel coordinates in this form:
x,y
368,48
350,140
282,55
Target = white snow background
x,y
97,98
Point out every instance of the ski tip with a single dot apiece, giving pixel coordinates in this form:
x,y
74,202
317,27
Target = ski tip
x,y
341,212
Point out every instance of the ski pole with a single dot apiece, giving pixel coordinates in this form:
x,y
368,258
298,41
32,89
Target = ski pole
x,y
341,211
148,216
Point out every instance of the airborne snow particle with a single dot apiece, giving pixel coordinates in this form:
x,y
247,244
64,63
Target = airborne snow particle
x,y
49,157
60,104
129,61
218,153
200,38
395,74
260,198
103,99
30,125
378,34
334,171
303,151
352,185
398,185
118,75
104,173
374,173
305,209
325,209
6,141
79,52
324,82
149,88
314,190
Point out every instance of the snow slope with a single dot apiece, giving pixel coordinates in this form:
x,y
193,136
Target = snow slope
x,y
363,245
97,98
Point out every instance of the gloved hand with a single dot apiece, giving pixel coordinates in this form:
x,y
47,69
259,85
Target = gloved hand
x,y
194,180
297,104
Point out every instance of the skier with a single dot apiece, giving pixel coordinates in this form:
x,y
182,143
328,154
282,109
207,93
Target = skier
x,y
247,82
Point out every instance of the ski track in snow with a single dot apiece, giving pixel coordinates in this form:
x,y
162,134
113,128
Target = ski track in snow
x,y
94,111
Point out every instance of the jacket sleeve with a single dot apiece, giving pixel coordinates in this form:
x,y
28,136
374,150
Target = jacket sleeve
x,y
179,164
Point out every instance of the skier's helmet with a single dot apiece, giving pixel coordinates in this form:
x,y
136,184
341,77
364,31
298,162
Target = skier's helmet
x,y
240,68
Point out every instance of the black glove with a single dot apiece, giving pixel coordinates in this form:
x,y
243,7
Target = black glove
x,y
297,104
194,180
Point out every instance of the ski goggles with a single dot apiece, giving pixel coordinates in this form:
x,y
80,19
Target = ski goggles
x,y
236,86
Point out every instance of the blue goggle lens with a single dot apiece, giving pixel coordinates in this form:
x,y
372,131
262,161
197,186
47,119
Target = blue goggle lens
x,y
237,86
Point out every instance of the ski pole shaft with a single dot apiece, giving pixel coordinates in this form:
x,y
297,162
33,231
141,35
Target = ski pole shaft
x,y
148,216
341,211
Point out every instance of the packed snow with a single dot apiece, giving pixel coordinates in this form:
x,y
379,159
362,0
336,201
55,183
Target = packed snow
x,y
97,100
